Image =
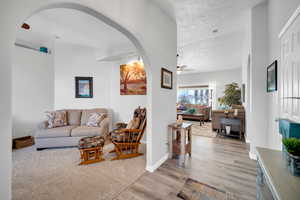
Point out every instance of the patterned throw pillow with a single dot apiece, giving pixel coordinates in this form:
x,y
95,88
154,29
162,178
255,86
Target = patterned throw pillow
x,y
56,119
94,119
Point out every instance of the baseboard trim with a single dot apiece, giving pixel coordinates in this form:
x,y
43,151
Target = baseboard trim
x,y
152,168
252,156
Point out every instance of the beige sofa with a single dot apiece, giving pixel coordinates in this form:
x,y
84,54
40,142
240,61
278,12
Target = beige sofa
x,y
205,110
68,136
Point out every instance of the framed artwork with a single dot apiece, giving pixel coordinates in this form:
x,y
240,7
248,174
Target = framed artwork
x,y
166,79
133,79
243,92
83,87
272,77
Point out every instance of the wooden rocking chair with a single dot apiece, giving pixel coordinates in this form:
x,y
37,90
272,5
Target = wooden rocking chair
x,y
126,140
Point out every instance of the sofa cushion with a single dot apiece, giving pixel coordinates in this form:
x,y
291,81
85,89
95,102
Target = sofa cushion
x,y
64,131
94,119
74,117
56,119
86,131
86,114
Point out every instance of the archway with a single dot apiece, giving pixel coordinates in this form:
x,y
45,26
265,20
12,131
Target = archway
x,y
142,20
47,170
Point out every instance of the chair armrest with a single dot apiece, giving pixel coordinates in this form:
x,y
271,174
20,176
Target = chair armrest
x,y
43,125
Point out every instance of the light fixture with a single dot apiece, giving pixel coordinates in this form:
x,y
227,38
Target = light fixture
x,y
25,26
215,31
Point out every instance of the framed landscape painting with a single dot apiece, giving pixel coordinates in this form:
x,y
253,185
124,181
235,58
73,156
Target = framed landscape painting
x,y
166,79
133,79
83,87
272,77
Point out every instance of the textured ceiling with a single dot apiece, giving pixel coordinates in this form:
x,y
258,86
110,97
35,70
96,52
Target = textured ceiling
x,y
201,49
74,27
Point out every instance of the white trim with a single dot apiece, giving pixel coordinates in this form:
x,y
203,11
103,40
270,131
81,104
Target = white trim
x,y
290,22
247,140
158,163
252,156
143,141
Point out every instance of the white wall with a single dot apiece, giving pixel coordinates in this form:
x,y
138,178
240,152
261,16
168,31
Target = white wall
x,y
123,105
216,80
33,89
74,60
278,13
267,20
258,127
157,47
246,64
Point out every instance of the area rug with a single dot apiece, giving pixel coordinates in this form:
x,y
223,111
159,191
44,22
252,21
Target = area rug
x,y
55,174
194,190
204,130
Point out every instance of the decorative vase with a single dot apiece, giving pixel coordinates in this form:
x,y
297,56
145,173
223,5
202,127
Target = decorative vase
x,y
293,163
179,120
227,129
235,112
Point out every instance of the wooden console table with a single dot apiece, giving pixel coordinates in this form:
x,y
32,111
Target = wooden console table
x,y
180,141
274,181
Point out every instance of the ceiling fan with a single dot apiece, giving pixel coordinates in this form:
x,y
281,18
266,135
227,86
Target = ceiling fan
x,y
182,68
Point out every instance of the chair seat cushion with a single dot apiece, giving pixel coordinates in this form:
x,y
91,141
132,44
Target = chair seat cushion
x,y
86,131
64,131
91,142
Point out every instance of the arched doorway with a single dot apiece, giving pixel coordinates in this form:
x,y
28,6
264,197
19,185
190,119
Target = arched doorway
x,y
142,19
47,171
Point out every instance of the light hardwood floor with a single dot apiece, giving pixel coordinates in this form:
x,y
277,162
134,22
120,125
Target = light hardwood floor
x,y
222,163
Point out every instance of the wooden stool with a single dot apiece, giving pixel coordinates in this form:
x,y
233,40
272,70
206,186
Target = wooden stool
x,y
91,149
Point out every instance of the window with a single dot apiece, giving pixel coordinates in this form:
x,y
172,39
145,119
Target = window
x,y
193,95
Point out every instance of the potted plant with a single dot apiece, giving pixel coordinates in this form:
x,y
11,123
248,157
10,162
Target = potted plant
x,y
232,95
291,151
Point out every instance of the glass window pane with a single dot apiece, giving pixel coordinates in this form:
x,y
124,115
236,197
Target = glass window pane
x,y
193,96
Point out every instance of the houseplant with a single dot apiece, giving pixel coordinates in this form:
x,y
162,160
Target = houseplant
x,y
232,95
291,151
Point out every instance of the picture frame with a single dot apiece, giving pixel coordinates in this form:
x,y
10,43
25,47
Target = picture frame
x,y
166,79
83,87
243,92
272,77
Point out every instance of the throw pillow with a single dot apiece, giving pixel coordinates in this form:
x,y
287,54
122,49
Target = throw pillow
x,y
134,123
56,119
94,119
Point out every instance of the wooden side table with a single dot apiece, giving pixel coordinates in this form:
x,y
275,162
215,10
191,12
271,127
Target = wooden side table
x,y
180,141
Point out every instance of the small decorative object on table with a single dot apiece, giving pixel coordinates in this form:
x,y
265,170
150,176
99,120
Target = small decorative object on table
x,y
179,120
23,142
91,149
291,152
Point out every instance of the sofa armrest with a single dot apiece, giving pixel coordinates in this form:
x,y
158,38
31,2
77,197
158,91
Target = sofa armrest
x,y
104,127
43,125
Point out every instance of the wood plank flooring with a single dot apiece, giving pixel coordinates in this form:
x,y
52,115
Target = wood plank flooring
x,y
222,163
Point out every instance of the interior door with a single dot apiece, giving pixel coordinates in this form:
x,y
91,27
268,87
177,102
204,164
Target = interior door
x,y
289,72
